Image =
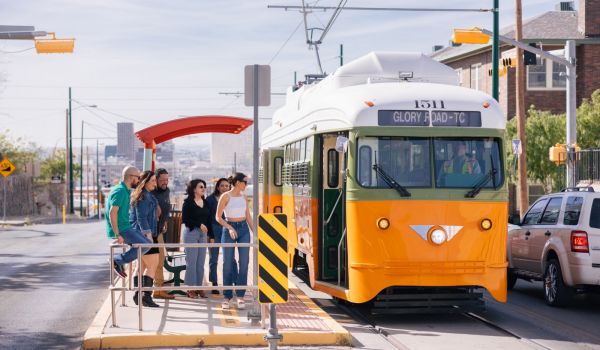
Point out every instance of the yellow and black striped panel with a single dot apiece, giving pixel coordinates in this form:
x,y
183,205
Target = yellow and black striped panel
x,y
272,259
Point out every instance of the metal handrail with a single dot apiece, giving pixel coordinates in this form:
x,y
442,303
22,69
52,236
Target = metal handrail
x,y
334,206
339,257
140,288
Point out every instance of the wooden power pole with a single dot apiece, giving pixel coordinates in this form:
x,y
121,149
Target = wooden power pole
x,y
523,192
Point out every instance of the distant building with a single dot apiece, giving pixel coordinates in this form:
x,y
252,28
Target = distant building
x,y
545,82
110,151
164,153
225,147
125,141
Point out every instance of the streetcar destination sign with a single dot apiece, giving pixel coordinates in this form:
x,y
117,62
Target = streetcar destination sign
x,y
421,118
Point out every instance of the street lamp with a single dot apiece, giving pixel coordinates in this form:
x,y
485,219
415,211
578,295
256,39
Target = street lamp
x,y
70,146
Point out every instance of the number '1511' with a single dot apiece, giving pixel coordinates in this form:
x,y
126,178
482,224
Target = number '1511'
x,y
429,104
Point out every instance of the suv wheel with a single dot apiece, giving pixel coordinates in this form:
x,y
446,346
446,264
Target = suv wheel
x,y
511,279
556,292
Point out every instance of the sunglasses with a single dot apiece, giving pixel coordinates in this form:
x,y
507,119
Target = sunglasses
x,y
200,186
136,176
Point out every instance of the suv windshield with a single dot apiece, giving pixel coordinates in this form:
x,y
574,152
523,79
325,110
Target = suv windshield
x,y
462,163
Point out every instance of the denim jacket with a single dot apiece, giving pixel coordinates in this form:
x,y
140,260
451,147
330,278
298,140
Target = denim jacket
x,y
143,215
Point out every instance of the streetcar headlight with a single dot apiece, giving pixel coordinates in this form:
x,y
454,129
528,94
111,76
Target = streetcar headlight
x,y
486,224
438,236
383,223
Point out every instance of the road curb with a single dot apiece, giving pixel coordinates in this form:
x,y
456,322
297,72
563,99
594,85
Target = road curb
x,y
95,338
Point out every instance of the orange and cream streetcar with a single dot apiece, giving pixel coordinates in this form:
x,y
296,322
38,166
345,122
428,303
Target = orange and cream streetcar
x,y
392,177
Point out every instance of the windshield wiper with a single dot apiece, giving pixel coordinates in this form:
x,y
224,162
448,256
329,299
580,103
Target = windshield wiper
x,y
391,182
479,185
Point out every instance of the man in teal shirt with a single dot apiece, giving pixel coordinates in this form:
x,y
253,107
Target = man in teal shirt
x,y
117,219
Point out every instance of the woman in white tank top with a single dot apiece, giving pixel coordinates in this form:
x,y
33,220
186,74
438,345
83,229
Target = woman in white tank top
x,y
236,229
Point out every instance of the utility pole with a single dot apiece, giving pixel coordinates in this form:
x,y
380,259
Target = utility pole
x,y
523,190
98,178
341,55
87,181
571,111
81,175
70,154
496,50
67,161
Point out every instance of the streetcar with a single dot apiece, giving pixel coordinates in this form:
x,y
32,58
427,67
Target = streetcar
x,y
392,178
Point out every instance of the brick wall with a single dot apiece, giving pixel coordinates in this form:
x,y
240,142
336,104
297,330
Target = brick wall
x,y
588,21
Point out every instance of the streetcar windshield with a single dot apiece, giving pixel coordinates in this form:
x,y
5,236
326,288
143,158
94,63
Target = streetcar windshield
x,y
405,160
456,162
467,162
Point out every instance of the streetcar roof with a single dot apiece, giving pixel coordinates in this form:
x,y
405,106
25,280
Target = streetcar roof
x,y
355,93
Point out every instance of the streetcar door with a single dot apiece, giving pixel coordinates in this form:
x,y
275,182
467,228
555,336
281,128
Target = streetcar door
x,y
275,181
332,210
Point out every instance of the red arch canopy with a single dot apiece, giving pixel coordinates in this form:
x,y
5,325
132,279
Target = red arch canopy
x,y
171,129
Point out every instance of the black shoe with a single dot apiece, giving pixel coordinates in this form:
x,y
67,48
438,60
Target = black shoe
x,y
147,298
214,291
119,270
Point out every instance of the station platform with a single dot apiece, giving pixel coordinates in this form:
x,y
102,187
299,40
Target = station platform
x,y
186,322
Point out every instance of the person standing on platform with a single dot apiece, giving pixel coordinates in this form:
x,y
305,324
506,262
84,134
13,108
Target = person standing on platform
x,y
236,229
195,215
117,219
162,194
143,216
221,187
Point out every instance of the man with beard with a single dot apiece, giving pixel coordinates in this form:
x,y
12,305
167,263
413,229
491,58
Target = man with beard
x,y
162,194
117,219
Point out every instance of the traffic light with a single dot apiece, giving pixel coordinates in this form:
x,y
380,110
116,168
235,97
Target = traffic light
x,y
501,71
529,58
509,62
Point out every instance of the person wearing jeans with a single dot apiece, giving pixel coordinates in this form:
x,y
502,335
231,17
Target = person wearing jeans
x,y
117,220
236,229
198,229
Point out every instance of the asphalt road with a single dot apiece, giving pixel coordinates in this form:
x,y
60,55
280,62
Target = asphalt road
x,y
53,280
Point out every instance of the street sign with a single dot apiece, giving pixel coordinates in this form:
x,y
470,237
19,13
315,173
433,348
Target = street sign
x,y
263,87
56,179
6,167
516,147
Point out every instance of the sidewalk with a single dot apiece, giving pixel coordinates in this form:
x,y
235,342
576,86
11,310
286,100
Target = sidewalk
x,y
185,322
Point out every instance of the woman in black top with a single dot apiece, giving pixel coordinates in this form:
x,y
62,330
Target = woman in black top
x,y
197,220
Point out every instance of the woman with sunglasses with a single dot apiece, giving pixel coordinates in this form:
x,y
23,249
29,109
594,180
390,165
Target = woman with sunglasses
x,y
236,229
142,215
197,220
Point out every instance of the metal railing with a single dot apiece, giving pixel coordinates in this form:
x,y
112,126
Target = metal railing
x,y
140,288
588,165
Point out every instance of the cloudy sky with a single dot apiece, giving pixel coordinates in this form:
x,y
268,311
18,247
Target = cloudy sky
x,y
154,60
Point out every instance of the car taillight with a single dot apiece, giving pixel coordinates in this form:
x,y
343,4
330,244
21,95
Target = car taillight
x,y
579,242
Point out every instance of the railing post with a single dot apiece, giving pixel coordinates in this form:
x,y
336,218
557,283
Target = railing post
x,y
112,292
139,286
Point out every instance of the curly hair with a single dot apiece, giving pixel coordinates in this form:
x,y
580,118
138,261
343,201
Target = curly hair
x,y
192,186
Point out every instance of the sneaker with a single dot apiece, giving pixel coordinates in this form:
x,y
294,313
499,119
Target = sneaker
x,y
119,270
225,304
241,304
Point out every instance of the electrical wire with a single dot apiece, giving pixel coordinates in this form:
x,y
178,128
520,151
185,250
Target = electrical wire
x,y
19,51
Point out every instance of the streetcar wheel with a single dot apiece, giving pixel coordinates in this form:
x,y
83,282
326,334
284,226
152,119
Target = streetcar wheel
x,y
556,292
511,279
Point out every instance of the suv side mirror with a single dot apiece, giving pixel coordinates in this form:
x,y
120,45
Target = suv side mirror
x,y
514,219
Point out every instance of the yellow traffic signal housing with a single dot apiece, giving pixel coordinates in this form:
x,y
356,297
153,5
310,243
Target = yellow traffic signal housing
x,y
558,153
501,71
509,62
53,45
470,36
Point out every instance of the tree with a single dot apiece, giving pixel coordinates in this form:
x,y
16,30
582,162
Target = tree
x,y
544,130
54,165
18,151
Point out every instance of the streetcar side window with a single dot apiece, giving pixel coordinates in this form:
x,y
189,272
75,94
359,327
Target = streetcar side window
x,y
365,165
332,168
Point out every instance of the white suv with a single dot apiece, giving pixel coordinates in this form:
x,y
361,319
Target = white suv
x,y
558,242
